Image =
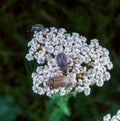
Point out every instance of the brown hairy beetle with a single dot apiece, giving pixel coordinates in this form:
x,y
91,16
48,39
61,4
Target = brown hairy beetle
x,y
57,81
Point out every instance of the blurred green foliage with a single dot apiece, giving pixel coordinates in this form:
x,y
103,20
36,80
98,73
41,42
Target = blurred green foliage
x,y
94,19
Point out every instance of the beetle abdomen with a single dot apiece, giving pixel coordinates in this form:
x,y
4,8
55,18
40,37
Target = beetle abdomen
x,y
57,81
61,60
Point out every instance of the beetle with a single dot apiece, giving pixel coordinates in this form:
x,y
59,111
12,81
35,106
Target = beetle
x,y
57,81
37,27
62,62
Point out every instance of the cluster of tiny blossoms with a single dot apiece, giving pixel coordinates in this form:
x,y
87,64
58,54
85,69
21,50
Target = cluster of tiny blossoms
x,y
88,64
113,118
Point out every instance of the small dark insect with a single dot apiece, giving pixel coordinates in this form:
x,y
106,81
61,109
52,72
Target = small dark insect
x,y
57,81
62,62
37,27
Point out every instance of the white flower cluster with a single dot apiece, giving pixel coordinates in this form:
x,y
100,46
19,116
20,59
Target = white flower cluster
x,y
113,118
88,64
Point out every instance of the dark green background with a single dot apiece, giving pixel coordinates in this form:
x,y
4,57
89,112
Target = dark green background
x,y
91,18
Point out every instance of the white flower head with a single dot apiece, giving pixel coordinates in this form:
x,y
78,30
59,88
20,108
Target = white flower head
x,y
85,64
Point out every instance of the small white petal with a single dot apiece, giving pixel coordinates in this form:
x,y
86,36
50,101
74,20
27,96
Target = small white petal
x,y
107,117
87,90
